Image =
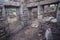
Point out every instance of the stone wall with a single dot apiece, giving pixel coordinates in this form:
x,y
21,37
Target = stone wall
x,y
40,9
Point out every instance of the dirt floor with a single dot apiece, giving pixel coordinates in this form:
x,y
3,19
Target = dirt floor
x,y
27,33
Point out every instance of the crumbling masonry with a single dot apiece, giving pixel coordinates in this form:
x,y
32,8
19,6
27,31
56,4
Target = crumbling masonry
x,y
17,14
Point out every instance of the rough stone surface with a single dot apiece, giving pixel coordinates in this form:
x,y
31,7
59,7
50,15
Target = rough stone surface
x,y
27,33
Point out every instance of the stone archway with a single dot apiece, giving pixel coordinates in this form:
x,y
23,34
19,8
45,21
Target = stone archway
x,y
13,14
33,11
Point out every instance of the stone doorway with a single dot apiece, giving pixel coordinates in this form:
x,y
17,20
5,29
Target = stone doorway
x,y
33,12
12,14
50,10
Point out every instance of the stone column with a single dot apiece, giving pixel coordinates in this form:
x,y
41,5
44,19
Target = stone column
x,y
17,13
5,23
21,10
58,13
3,12
40,12
58,24
22,15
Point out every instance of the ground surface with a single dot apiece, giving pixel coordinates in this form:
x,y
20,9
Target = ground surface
x,y
28,33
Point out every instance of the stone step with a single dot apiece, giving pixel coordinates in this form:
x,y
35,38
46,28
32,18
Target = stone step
x,y
56,37
3,37
2,34
2,30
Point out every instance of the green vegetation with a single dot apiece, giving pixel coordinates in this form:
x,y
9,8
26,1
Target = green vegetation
x,y
12,10
52,7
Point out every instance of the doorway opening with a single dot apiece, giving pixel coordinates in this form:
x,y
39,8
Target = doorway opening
x,y
50,10
33,13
